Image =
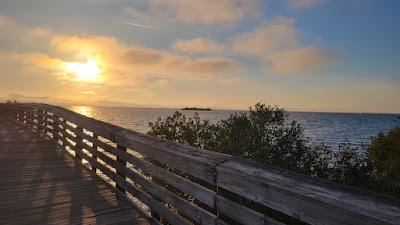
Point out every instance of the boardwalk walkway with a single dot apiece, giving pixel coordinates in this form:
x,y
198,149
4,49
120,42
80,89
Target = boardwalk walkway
x,y
40,184
170,183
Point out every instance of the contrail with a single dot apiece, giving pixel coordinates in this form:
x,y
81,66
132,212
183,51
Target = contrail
x,y
140,25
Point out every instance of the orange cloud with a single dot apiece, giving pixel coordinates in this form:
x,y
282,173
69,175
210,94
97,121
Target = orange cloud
x,y
13,33
304,3
299,60
207,11
4,21
278,46
121,64
119,57
198,46
277,35
39,60
45,63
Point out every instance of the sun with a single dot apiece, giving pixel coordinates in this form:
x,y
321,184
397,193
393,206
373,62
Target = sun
x,y
88,71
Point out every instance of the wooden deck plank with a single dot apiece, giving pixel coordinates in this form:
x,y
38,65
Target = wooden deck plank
x,y
40,184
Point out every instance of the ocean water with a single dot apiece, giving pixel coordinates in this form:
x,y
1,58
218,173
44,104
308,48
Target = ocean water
x,y
329,128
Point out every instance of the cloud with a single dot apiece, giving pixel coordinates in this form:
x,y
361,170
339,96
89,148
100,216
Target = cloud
x,y
5,21
46,64
206,12
276,35
198,46
26,98
21,36
121,64
127,70
301,60
297,4
136,14
275,40
119,58
38,60
278,46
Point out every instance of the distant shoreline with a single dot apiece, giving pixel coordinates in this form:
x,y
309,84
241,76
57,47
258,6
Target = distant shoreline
x,y
196,109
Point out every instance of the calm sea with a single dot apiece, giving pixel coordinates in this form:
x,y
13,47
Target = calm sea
x,y
330,128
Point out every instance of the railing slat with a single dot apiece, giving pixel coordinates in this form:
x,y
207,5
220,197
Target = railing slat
x,y
123,162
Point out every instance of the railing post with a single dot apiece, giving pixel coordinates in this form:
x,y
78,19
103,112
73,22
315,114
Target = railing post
x,y
56,128
33,117
120,173
29,120
25,117
38,124
17,114
94,169
41,122
79,141
45,128
62,130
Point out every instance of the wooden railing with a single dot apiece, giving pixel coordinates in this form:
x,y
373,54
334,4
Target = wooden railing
x,y
177,184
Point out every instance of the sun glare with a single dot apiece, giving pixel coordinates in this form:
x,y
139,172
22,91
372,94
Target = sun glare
x,y
84,110
84,71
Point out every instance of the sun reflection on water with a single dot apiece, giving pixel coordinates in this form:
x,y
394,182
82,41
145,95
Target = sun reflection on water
x,y
84,110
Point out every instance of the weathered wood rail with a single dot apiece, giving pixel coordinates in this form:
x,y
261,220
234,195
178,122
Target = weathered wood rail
x,y
178,184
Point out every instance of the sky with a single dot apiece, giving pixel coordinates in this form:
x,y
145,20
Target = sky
x,y
303,55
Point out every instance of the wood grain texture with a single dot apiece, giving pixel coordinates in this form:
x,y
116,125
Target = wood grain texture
x,y
306,199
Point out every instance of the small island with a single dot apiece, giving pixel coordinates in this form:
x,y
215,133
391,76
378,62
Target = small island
x,y
196,109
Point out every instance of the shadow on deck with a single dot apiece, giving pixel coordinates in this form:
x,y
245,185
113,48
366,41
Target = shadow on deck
x,y
40,184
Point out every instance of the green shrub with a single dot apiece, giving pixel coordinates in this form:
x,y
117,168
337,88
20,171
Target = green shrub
x,y
264,134
384,153
192,131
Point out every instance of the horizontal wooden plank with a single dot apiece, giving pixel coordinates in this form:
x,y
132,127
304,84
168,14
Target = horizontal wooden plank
x,y
300,197
243,214
195,162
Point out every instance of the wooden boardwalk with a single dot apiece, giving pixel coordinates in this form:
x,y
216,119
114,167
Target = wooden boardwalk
x,y
40,184
167,182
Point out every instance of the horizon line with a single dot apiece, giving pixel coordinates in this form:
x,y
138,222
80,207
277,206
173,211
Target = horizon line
x,y
216,108
227,109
